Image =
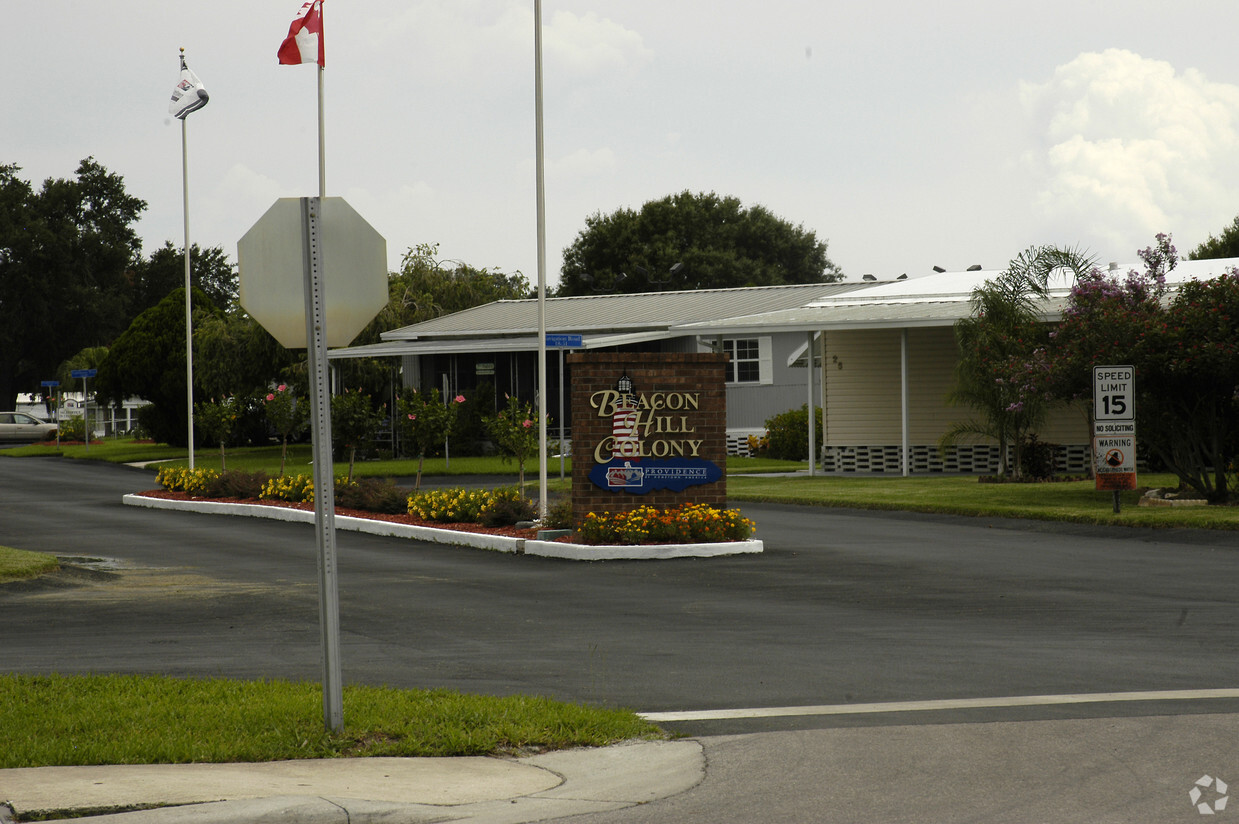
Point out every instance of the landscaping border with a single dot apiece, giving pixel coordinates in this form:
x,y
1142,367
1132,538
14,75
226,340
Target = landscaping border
x,y
473,540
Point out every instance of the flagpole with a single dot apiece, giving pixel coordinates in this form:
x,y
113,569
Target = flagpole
x,y
322,140
189,324
541,210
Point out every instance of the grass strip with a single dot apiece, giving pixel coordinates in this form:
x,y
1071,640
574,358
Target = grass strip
x,y
1067,501
16,564
68,720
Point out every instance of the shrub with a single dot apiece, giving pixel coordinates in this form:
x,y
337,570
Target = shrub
x,y
686,524
506,507
293,488
235,483
73,429
1037,457
372,495
759,447
449,505
788,434
559,515
182,479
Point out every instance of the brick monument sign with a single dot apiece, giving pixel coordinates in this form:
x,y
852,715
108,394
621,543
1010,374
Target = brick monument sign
x,y
647,429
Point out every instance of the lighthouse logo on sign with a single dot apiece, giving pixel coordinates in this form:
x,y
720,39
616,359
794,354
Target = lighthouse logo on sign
x,y
653,442
625,440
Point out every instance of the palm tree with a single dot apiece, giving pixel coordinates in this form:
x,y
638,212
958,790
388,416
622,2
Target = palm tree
x,y
1001,345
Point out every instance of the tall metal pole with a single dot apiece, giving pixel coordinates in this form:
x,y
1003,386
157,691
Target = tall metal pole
x,y
541,196
322,140
324,491
189,322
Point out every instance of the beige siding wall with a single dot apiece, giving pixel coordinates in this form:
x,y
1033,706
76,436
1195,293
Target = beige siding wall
x,y
863,390
862,387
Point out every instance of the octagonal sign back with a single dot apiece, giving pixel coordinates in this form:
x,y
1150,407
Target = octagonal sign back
x,y
271,271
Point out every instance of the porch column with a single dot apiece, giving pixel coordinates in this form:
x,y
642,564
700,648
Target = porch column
x,y
812,404
903,402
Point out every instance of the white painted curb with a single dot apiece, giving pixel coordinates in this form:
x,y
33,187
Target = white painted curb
x,y
475,540
585,552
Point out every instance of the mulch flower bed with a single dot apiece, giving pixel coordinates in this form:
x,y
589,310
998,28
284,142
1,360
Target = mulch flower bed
x,y
412,520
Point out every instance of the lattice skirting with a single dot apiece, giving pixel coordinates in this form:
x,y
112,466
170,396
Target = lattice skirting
x,y
975,459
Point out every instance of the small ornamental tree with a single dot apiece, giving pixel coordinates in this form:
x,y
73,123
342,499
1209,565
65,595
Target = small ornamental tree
x,y
514,430
425,422
288,415
354,422
218,420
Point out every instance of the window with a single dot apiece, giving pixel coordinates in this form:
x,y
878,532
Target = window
x,y
750,360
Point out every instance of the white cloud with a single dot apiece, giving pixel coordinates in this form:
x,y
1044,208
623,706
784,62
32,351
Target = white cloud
x,y
1127,146
584,163
592,45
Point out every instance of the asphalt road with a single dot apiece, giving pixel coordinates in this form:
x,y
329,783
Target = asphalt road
x,y
844,608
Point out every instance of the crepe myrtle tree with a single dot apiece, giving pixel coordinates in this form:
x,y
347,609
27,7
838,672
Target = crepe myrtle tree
x,y
1184,346
355,421
425,422
514,429
288,414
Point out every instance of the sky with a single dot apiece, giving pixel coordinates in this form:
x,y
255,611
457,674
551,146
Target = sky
x,y
906,135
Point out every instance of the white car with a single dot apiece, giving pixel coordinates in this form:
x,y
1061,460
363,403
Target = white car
x,y
18,426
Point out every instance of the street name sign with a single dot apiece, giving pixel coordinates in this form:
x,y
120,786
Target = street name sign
x,y
564,341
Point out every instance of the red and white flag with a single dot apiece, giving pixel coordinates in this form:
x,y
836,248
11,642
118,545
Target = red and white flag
x,y
304,43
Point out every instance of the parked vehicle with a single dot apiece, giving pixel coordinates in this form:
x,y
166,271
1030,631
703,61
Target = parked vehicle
x,y
18,426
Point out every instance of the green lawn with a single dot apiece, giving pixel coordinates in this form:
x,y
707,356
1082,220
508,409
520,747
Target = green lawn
x,y
132,719
1075,501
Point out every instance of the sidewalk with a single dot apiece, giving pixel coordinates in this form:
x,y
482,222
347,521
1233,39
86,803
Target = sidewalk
x,y
360,790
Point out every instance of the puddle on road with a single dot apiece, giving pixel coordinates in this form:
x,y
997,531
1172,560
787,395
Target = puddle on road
x,y
83,578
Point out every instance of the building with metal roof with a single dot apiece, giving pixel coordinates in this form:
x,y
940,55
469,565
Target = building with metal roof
x,y
883,355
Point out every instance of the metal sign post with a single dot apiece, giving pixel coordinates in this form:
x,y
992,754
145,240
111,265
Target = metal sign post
x,y
324,481
84,374
55,385
562,342
312,272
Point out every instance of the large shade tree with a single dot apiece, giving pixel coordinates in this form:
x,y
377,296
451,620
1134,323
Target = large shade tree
x,y
156,276
691,241
426,288
1225,244
66,251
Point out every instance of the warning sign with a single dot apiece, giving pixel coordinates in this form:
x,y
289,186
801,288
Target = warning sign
x,y
1114,462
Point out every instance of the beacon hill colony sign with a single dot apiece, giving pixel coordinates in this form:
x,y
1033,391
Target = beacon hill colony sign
x,y
649,429
654,442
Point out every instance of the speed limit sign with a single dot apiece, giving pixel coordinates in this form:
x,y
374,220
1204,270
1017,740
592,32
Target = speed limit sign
x,y
1114,428
1114,389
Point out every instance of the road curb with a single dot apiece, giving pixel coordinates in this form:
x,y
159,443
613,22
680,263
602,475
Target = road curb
x,y
473,540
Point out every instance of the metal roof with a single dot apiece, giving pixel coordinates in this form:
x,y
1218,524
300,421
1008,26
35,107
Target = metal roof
x,y
933,300
618,313
613,320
